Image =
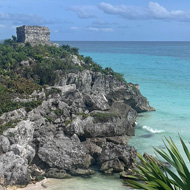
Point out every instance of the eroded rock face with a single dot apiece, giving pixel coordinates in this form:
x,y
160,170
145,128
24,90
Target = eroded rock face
x,y
21,134
88,122
13,169
57,173
4,144
64,153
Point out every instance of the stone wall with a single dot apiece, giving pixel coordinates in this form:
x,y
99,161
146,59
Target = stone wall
x,y
33,34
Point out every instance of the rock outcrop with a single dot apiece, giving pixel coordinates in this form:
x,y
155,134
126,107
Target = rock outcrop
x,y
85,120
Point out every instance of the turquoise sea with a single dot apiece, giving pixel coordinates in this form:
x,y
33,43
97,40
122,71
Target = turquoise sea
x,y
163,71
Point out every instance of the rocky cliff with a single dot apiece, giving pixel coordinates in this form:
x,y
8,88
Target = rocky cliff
x,y
85,118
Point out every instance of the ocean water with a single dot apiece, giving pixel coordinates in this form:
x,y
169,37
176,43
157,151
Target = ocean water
x,y
163,71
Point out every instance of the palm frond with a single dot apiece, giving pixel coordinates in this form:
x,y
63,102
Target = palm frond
x,y
154,177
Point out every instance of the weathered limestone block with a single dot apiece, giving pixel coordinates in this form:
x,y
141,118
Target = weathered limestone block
x,y
33,35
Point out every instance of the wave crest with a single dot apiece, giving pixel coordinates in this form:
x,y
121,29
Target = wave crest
x,y
152,130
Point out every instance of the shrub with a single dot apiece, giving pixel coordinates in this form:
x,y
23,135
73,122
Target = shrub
x,y
84,115
10,124
58,112
67,122
103,117
155,178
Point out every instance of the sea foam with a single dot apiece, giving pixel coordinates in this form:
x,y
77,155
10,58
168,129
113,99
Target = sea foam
x,y
152,130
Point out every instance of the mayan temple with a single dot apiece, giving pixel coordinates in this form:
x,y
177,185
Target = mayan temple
x,y
33,35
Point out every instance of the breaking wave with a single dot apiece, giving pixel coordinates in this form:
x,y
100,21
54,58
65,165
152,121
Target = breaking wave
x,y
152,130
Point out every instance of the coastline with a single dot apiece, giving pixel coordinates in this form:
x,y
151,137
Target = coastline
x,y
83,116
33,186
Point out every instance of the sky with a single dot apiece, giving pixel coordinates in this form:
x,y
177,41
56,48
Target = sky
x,y
100,20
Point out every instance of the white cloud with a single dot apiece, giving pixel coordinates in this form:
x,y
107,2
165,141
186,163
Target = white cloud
x,y
75,28
153,11
102,23
100,29
129,12
96,29
158,11
83,12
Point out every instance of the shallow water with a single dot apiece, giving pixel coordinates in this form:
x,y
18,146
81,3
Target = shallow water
x,y
163,71
96,182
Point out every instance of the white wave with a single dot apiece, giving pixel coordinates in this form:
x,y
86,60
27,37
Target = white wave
x,y
152,130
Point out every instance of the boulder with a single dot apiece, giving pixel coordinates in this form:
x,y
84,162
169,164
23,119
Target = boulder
x,y
116,165
13,115
112,152
82,172
64,153
13,170
4,144
24,151
21,134
57,173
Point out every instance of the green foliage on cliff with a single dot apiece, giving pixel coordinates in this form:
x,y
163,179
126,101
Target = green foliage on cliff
x,y
25,68
103,117
155,178
10,124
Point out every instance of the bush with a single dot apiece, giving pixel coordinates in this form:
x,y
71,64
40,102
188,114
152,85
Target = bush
x,y
84,115
155,178
103,117
10,124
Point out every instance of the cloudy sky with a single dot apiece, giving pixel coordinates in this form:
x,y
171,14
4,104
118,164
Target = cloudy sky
x,y
110,20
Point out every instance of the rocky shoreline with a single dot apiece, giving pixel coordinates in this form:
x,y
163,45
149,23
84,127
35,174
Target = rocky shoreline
x,y
83,120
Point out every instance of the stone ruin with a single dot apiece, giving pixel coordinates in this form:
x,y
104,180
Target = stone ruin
x,y
33,35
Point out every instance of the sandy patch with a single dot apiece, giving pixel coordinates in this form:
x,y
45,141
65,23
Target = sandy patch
x,y
37,186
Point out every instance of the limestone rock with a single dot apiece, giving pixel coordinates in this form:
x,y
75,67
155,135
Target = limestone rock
x,y
13,170
33,34
24,151
21,134
112,152
4,144
64,153
82,172
57,173
13,115
116,165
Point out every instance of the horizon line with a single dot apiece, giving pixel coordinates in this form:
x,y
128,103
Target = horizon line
x,y
120,41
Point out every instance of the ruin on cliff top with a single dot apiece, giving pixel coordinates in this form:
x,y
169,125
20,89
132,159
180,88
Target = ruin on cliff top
x,y
33,35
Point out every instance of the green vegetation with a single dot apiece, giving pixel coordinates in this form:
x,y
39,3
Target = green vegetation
x,y
9,105
52,91
10,124
67,122
103,117
24,68
84,115
49,119
58,112
155,178
39,178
